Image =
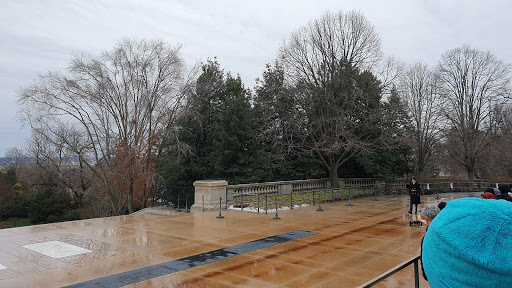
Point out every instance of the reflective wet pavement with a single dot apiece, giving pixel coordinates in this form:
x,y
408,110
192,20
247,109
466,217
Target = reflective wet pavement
x,y
348,246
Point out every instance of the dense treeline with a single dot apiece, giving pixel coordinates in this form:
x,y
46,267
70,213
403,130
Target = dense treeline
x,y
117,128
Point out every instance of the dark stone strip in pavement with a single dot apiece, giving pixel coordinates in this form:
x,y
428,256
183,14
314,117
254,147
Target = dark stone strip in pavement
x,y
150,272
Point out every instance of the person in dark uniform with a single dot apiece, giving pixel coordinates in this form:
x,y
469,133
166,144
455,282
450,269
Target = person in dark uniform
x,y
414,194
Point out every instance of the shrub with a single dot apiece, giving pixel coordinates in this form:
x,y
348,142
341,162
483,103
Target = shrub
x,y
46,206
18,188
14,207
72,215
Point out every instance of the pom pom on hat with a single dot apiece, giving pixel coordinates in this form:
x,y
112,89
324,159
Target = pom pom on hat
x,y
469,244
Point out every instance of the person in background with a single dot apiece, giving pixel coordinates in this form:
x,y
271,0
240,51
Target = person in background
x,y
487,195
504,189
494,191
430,212
414,194
469,244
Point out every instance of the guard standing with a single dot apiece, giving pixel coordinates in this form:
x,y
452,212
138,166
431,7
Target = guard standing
x,y
414,194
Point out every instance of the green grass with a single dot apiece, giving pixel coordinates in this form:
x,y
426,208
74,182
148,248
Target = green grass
x,y
17,222
301,198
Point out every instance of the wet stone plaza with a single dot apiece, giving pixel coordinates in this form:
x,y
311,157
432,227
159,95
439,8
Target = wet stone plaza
x,y
341,246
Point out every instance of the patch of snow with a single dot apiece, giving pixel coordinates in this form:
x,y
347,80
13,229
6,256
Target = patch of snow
x,y
262,210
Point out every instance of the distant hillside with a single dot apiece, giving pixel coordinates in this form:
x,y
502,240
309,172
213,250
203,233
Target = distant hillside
x,y
10,161
6,162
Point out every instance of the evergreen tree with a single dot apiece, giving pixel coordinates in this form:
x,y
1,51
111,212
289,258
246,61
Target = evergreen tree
x,y
218,128
392,157
340,117
236,157
277,129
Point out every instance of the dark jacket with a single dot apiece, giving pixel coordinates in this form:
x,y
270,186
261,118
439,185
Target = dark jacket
x,y
504,197
414,192
421,258
504,189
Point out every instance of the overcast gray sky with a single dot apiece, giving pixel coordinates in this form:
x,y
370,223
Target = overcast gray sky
x,y
37,36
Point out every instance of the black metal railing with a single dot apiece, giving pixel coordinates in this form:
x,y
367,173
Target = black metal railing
x,y
172,196
444,187
265,202
415,260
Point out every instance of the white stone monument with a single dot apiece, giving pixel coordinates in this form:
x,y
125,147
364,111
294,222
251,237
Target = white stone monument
x,y
207,193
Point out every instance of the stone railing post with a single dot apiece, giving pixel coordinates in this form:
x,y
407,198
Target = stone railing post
x,y
380,186
341,181
285,188
211,191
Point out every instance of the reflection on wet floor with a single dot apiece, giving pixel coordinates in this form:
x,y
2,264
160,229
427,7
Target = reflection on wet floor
x,y
352,244
146,273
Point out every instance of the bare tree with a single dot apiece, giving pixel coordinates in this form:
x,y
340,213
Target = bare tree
x,y
325,62
315,51
419,88
119,103
16,159
389,71
497,161
56,165
472,82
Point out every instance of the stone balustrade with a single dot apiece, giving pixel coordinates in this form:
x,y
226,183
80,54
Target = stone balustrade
x,y
208,192
273,188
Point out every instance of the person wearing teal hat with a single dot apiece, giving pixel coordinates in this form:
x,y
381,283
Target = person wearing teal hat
x,y
469,244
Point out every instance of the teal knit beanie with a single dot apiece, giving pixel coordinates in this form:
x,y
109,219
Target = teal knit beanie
x,y
469,244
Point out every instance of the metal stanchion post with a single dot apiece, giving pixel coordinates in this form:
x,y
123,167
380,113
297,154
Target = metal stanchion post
x,y
186,205
349,200
319,203
220,208
276,217
179,210
242,202
313,197
375,197
266,202
291,200
258,202
416,274
203,204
